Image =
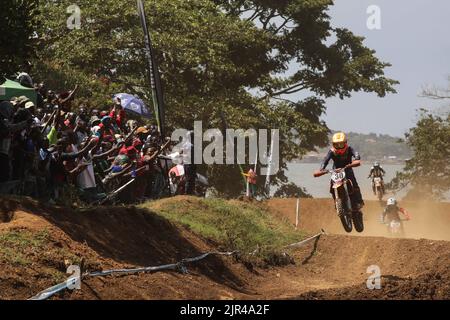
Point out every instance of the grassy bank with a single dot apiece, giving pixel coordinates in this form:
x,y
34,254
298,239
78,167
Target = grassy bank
x,y
23,249
233,225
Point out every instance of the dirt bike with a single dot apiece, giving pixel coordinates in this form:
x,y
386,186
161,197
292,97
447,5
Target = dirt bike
x,y
342,189
378,185
395,227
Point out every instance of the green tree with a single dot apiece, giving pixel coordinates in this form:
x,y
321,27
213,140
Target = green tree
x,y
215,61
427,173
291,190
18,21
301,33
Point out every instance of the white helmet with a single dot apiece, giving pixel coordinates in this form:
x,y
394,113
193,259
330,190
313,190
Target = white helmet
x,y
391,202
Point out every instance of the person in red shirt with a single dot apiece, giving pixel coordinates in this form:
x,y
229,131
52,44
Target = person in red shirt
x,y
118,114
130,151
105,128
251,180
392,211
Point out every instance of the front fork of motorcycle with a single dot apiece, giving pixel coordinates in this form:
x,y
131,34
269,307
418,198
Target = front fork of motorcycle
x,y
349,203
336,197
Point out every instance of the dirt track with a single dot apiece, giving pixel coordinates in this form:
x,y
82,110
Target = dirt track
x,y
429,220
410,269
332,268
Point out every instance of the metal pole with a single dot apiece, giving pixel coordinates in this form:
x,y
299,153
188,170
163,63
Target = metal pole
x,y
297,214
248,189
153,72
267,186
299,244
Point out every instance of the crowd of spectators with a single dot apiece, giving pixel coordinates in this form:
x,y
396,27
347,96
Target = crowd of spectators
x,y
61,152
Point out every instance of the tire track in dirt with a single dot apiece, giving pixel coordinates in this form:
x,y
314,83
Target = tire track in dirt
x,y
339,267
126,236
410,268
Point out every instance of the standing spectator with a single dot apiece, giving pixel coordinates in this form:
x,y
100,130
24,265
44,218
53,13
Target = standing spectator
x,y
7,129
106,128
24,78
190,170
86,178
65,99
251,180
19,141
83,114
118,115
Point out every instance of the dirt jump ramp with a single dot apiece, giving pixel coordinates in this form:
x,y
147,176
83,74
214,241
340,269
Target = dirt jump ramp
x,y
333,267
338,265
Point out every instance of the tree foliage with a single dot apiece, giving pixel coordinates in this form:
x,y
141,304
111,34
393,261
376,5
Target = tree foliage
x,y
330,61
218,59
18,21
291,190
428,171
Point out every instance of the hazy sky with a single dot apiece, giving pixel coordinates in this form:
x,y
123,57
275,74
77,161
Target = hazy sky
x,y
415,38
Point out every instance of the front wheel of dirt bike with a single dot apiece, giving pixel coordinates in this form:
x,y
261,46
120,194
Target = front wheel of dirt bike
x,y
358,222
344,216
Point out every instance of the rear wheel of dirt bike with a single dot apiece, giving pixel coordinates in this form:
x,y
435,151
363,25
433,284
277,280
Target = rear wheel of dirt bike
x,y
379,194
344,216
358,222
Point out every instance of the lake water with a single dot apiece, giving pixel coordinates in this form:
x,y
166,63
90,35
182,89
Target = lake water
x,y
302,175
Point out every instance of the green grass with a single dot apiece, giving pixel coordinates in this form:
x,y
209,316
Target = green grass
x,y
15,245
24,248
234,226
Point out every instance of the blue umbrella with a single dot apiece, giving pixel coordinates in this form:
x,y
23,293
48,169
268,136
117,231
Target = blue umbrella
x,y
133,104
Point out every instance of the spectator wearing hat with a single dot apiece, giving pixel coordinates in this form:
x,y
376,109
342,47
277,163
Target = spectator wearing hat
x,y
19,102
32,110
131,125
140,138
25,80
94,121
106,128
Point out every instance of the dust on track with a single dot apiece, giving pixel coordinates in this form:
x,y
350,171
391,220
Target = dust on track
x,y
429,220
334,267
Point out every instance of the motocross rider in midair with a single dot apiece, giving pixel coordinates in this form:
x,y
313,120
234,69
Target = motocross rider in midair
x,y
377,171
344,158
